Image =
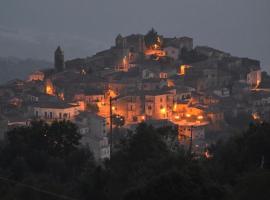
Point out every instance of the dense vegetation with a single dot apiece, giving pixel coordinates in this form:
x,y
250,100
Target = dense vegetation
x,y
45,162
151,38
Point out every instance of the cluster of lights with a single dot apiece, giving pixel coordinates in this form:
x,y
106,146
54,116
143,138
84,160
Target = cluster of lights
x,y
163,110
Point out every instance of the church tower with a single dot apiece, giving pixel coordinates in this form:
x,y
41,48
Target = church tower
x,y
119,41
59,61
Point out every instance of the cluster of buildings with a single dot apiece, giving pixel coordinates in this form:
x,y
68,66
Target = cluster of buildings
x,y
199,90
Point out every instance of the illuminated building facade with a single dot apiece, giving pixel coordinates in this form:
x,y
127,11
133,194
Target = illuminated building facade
x,y
254,78
36,76
58,110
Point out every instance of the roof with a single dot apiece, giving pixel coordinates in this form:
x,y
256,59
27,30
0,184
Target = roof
x,y
93,92
54,104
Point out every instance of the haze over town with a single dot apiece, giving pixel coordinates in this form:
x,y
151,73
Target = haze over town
x,y
33,28
134,99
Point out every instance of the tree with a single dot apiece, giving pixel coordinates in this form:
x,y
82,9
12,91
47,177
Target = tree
x,y
151,38
254,185
118,120
44,156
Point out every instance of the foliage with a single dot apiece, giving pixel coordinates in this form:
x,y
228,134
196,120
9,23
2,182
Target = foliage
x,y
44,156
147,166
118,120
151,38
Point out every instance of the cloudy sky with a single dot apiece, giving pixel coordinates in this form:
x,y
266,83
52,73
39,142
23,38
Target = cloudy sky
x,y
33,28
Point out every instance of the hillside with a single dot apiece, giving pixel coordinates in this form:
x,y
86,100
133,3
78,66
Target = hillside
x,y
11,67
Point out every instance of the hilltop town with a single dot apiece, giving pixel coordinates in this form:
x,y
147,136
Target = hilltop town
x,y
207,94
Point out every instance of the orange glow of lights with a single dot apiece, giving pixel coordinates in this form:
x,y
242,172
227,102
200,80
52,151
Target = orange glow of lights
x,y
207,155
125,60
156,52
163,110
255,116
61,96
177,117
143,118
257,84
113,108
183,69
171,83
200,117
49,90
111,93
174,107
188,115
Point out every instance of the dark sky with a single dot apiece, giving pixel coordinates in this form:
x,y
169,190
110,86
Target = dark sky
x,y
33,28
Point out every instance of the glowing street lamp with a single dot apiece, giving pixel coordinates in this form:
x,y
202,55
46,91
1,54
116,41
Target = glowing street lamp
x,y
163,110
143,118
188,115
200,117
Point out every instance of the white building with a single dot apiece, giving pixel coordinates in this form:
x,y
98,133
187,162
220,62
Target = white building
x,y
93,129
223,92
36,76
57,110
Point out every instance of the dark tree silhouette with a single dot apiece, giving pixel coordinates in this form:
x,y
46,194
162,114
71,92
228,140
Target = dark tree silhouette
x,y
151,38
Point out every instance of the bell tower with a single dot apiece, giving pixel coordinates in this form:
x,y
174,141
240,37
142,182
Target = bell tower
x,y
59,61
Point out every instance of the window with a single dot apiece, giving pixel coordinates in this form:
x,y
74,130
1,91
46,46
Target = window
x,y
60,115
36,113
161,99
135,119
149,107
51,115
46,115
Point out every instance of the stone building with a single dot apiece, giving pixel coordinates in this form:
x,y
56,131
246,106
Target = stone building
x,y
179,43
36,76
134,43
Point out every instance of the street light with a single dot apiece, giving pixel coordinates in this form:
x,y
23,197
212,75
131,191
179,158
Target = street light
x,y
200,117
191,138
188,115
112,108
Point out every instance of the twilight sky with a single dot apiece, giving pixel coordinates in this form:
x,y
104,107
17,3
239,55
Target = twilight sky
x,y
33,28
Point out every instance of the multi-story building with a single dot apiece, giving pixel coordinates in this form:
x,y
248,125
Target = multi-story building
x,y
56,110
94,131
159,104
